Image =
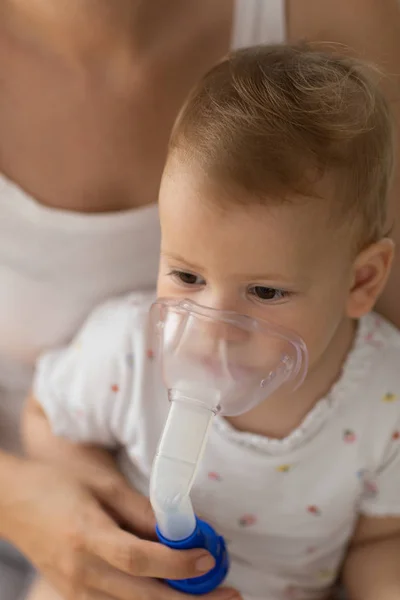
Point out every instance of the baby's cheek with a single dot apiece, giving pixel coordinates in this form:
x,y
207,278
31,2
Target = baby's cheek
x,y
317,331
167,288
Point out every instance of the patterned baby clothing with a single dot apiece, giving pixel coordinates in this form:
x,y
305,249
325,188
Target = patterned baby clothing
x,y
287,508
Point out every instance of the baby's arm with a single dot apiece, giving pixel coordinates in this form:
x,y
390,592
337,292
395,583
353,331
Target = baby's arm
x,y
372,567
40,442
74,416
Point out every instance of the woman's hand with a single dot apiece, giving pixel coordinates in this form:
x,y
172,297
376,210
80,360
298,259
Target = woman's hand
x,y
63,528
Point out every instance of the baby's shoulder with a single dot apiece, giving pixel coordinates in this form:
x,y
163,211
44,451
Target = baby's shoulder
x,y
369,389
380,343
115,326
118,314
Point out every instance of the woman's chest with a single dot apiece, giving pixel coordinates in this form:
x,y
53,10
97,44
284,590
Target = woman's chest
x,y
92,136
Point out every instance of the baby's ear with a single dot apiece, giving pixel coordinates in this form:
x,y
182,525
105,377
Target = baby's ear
x,y
370,273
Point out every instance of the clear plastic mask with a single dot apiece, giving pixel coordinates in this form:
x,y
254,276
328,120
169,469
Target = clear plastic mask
x,y
212,362
226,361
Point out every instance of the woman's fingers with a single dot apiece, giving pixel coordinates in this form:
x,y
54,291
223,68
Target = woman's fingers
x,y
134,588
82,551
130,507
142,558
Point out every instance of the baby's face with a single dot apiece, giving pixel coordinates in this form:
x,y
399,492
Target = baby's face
x,y
283,262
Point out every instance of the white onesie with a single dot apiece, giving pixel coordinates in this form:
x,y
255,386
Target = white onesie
x,y
287,508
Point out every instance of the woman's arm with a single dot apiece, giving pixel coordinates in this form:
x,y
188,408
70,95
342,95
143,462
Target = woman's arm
x,y
11,471
91,465
370,28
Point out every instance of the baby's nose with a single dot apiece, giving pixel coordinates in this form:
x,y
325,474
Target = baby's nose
x,y
226,332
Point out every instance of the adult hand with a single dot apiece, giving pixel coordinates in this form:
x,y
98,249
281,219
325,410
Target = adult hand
x,y
62,526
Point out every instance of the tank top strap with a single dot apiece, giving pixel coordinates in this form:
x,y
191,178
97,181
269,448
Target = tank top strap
x,y
258,22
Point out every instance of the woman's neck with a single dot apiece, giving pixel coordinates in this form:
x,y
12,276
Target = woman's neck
x,y
81,29
112,76
73,29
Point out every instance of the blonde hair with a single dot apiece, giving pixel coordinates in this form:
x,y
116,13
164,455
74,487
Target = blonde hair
x,y
276,119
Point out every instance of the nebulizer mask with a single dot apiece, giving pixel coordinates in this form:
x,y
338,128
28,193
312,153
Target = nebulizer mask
x,y
213,362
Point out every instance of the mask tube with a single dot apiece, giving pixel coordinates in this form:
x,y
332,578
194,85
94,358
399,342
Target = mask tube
x,y
174,469
213,362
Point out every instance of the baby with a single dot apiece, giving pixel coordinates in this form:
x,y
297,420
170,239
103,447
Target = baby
x,y
272,204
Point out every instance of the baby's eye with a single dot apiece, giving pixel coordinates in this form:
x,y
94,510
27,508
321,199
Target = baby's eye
x,y
187,278
266,294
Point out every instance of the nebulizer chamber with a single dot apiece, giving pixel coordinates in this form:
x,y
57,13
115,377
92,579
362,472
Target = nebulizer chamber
x,y
213,362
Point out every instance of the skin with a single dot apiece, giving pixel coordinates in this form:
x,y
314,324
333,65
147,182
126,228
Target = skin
x,y
72,73
88,132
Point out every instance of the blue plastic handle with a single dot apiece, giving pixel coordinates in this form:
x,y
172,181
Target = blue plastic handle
x,y
204,536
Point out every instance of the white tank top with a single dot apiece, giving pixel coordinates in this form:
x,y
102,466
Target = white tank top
x,y
55,265
258,22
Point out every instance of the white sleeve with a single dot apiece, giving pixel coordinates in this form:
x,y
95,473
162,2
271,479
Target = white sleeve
x,y
381,493
85,388
381,489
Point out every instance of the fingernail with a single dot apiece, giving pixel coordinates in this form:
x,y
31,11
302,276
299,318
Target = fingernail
x,y
205,563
